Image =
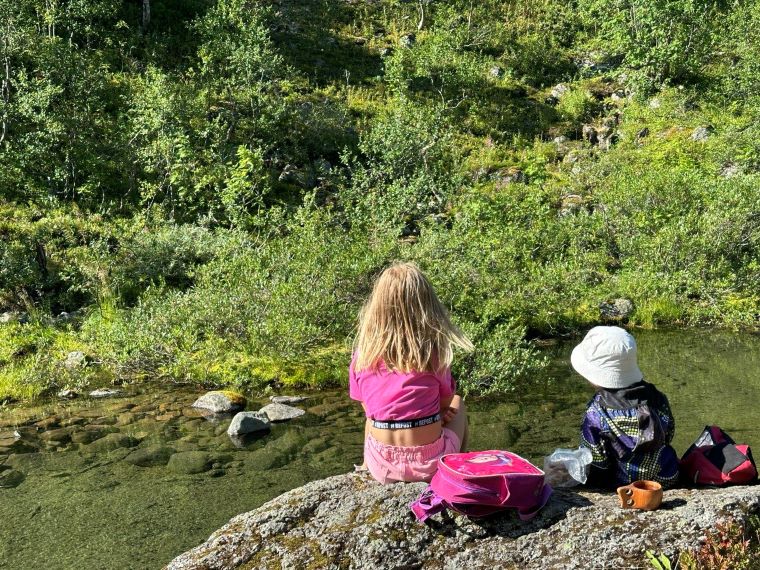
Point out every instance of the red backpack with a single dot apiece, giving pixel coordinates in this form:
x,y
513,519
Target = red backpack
x,y
714,459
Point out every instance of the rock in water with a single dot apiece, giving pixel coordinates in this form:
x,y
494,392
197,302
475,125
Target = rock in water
x,y
189,462
11,478
350,521
221,401
281,412
150,456
248,422
105,393
287,399
110,442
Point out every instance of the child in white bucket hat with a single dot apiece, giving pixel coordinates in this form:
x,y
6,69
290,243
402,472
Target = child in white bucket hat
x,y
628,424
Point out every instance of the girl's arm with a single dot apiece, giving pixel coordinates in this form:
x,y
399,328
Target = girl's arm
x,y
450,407
451,403
366,422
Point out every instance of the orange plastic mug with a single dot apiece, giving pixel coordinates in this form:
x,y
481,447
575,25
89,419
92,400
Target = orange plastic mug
x,y
644,495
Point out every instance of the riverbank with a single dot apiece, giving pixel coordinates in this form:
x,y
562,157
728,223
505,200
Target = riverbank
x,y
351,521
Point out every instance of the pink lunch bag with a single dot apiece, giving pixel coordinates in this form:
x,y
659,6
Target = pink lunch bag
x,y
480,483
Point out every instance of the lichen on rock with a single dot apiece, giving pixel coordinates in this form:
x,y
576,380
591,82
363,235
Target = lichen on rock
x,y
350,521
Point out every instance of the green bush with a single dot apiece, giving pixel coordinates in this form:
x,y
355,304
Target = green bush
x,y
660,41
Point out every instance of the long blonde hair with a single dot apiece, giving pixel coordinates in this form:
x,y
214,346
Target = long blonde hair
x,y
404,326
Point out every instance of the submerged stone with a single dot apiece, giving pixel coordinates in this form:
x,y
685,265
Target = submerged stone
x,y
189,462
61,435
221,401
150,456
11,478
287,399
111,441
281,412
86,436
105,393
48,423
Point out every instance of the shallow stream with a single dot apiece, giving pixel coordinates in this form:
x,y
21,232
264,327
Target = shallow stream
x,y
91,486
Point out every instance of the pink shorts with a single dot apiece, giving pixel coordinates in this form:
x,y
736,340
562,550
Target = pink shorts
x,y
389,463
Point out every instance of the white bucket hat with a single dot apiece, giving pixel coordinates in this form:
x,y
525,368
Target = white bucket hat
x,y
607,358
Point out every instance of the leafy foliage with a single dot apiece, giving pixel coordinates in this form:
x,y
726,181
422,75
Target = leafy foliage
x,y
660,41
212,192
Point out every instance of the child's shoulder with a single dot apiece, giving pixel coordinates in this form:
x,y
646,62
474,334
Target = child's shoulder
x,y
654,392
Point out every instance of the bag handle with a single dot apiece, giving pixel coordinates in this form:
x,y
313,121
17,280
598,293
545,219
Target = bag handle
x,y
427,504
528,514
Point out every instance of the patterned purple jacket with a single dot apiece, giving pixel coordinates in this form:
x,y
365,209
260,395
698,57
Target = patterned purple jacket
x,y
629,432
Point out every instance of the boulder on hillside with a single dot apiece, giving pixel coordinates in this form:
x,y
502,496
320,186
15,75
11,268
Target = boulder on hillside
x,y
351,521
616,309
701,134
75,359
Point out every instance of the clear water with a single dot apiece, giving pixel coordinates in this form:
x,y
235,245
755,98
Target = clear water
x,y
81,506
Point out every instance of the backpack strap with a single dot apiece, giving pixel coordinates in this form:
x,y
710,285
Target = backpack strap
x,y
528,514
427,504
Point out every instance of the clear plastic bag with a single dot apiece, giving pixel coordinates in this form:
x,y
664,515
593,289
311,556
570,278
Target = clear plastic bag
x,y
567,467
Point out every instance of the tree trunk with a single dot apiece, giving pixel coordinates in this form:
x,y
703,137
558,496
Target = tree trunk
x,y
145,14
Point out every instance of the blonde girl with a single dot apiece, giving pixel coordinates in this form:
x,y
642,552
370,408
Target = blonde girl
x,y
400,372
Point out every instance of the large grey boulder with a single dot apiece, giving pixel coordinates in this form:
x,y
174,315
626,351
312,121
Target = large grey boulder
x,y
350,521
